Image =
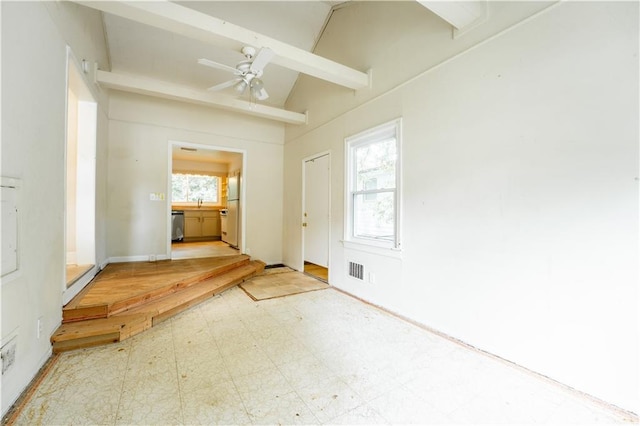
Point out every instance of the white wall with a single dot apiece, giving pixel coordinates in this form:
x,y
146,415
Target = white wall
x,y
413,40
190,166
140,131
71,177
520,198
34,63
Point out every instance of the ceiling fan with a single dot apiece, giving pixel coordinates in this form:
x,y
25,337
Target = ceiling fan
x,y
248,72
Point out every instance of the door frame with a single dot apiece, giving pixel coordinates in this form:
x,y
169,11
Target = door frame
x,y
87,142
243,186
304,199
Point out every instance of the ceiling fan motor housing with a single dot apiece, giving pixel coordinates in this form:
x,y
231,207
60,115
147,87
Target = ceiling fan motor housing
x,y
245,69
249,52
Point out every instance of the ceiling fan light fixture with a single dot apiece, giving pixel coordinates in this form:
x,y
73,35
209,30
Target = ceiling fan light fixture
x,y
256,84
257,89
241,86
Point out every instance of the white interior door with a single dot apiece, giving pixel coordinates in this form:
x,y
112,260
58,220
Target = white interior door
x,y
316,211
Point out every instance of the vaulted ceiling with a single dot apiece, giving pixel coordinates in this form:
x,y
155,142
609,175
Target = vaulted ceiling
x,y
156,53
154,49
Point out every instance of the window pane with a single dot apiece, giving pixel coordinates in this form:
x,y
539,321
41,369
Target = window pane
x,y
178,188
203,188
376,165
370,184
191,188
373,215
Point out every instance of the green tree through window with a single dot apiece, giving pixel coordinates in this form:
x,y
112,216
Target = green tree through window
x,y
189,188
373,159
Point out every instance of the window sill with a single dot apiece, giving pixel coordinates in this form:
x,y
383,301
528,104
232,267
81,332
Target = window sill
x,y
395,253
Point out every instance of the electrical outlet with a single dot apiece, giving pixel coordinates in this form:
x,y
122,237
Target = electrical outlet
x,y
8,355
372,278
152,258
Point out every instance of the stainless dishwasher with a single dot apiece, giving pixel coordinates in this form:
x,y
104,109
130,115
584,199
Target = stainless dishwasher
x,y
177,225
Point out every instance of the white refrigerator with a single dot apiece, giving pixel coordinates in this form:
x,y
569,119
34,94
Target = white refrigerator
x,y
233,205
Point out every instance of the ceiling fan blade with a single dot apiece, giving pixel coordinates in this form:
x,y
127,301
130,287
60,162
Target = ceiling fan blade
x,y
224,85
264,56
212,64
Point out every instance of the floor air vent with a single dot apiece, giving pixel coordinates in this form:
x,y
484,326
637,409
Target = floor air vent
x,y
356,270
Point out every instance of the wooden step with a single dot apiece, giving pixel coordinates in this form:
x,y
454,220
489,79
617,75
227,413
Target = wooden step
x,y
260,265
120,287
100,331
136,319
175,303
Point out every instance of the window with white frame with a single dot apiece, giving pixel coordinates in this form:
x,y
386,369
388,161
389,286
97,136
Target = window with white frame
x,y
373,186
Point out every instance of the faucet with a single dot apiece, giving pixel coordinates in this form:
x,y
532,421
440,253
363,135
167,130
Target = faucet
x,y
199,202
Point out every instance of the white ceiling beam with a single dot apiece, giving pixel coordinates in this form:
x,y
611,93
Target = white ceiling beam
x,y
460,14
200,26
161,89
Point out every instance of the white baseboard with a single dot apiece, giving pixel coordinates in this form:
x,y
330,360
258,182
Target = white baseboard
x,y
138,258
122,259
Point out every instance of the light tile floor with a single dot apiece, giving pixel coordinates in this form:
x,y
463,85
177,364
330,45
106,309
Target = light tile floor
x,y
314,358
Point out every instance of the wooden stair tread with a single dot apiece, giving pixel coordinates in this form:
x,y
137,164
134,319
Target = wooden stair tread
x,y
111,293
118,278
98,331
81,329
206,288
119,326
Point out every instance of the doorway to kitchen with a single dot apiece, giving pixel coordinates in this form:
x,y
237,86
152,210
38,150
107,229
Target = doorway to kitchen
x,y
316,215
200,200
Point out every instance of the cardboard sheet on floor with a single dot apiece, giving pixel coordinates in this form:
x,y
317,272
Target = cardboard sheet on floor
x,y
278,285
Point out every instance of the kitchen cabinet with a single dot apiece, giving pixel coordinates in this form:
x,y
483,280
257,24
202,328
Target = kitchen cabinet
x,y
192,227
201,224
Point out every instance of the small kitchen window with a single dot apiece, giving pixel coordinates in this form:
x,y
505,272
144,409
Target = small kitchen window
x,y
195,189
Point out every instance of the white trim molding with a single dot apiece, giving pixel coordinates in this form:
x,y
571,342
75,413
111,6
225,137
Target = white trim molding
x,y
162,89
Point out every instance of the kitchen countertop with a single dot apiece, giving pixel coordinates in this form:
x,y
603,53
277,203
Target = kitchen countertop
x,y
191,208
